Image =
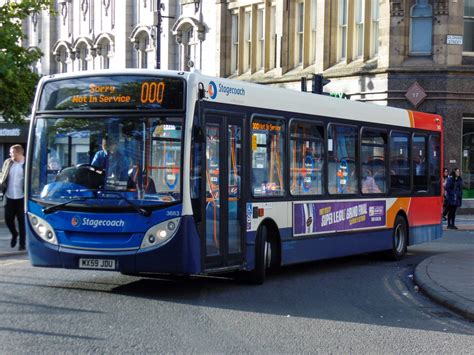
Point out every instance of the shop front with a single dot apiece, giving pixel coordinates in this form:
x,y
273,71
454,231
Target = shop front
x,y
11,134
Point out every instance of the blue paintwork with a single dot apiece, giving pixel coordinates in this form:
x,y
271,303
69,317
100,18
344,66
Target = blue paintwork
x,y
181,254
297,250
335,245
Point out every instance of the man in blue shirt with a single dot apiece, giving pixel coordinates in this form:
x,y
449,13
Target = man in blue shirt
x,y
110,160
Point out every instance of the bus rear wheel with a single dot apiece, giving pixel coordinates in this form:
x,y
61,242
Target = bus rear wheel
x,y
399,239
263,256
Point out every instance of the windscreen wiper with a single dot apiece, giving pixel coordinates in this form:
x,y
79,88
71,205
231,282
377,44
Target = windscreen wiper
x,y
54,208
141,210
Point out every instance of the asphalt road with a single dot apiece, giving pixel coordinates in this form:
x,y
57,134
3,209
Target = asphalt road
x,y
360,304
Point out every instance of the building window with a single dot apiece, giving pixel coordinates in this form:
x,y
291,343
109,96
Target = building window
x,y
81,55
103,50
314,22
299,33
189,49
273,38
375,17
342,29
359,28
261,39
234,61
248,40
61,59
467,165
142,42
468,40
421,28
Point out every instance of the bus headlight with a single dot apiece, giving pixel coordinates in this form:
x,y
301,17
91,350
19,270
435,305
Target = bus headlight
x,y
42,229
160,233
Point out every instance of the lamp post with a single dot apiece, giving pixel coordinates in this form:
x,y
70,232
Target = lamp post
x,y
159,7
159,17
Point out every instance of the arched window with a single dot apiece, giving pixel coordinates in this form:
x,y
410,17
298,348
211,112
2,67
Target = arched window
x,y
62,54
143,46
189,34
61,58
104,50
81,55
421,28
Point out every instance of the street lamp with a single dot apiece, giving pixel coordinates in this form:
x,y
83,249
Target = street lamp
x,y
159,7
159,17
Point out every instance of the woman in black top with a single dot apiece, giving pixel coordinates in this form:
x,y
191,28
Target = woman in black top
x,y
453,196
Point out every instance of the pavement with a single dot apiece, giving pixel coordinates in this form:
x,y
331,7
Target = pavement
x,y
446,278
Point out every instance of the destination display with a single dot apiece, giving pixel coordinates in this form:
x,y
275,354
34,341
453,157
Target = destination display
x,y
326,217
115,92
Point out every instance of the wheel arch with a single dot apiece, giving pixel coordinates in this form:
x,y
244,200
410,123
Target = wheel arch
x,y
403,214
274,237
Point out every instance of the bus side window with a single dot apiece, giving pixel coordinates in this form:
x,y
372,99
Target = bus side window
x,y
268,157
372,160
434,165
342,172
307,163
399,163
420,176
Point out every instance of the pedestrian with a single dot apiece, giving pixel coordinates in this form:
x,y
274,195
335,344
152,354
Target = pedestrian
x,y
445,205
12,184
453,196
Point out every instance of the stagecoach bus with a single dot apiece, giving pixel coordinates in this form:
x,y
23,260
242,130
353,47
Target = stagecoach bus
x,y
150,171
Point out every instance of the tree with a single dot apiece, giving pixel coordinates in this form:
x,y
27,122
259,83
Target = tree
x,y
17,80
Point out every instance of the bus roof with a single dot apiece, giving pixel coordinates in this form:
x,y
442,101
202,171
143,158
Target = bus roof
x,y
242,93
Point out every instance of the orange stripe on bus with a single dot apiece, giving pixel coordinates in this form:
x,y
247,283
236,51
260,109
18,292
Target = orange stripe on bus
x,y
412,119
400,204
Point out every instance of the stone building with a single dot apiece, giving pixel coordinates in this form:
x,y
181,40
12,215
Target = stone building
x,y
414,54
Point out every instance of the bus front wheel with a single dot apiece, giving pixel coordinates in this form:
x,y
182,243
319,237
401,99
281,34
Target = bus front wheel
x,y
263,256
399,239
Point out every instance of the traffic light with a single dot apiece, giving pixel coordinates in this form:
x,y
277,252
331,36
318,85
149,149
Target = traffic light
x,y
318,83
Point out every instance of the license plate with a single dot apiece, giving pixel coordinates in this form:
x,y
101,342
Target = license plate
x,y
103,264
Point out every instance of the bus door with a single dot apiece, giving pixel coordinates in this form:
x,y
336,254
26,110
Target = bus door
x,y
223,205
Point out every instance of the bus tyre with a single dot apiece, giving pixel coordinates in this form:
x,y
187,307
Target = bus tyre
x,y
263,255
399,239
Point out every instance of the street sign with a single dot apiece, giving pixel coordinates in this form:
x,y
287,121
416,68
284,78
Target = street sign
x,y
454,39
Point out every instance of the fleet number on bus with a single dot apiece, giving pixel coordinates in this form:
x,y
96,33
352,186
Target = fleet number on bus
x,y
152,92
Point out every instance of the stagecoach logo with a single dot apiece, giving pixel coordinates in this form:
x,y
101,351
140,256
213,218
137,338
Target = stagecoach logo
x,y
76,221
94,223
213,89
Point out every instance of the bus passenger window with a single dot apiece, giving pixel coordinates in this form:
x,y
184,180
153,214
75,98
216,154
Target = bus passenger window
x,y
342,173
420,178
434,165
268,157
372,162
307,160
399,163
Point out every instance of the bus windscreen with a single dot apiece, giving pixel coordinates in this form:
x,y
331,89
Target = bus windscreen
x,y
119,92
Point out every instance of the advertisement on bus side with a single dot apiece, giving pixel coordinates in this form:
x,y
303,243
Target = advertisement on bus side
x,y
336,216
